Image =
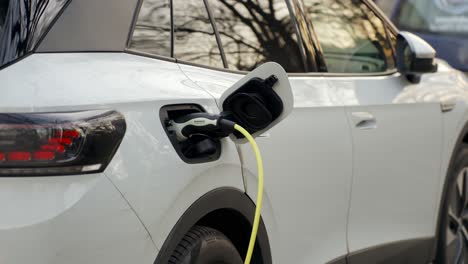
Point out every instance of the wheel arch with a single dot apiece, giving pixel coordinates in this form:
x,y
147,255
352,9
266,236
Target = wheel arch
x,y
230,211
460,143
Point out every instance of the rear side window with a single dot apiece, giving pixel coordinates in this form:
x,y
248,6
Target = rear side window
x,y
22,25
3,13
152,33
194,37
256,31
352,37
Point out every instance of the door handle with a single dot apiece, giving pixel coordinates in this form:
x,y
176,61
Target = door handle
x,y
364,120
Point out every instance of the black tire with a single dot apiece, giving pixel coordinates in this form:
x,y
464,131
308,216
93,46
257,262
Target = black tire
x,y
204,245
452,246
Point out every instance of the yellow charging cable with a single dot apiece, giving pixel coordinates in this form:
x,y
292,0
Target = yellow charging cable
x,y
258,210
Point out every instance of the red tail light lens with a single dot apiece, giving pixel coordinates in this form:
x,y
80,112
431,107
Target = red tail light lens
x,y
58,143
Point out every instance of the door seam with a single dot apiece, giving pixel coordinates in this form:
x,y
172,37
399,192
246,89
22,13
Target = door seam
x,y
133,210
345,110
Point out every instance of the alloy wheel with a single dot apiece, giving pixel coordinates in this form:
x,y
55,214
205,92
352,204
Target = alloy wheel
x,y
456,240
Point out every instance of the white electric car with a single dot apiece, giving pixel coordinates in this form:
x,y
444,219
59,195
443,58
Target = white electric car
x,y
369,165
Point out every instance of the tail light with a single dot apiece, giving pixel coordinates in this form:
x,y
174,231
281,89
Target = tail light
x,y
34,144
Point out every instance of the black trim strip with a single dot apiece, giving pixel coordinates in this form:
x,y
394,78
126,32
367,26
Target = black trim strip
x,y
370,74
407,251
386,22
216,32
389,32
300,38
318,55
381,15
339,260
136,13
210,67
46,32
172,28
149,55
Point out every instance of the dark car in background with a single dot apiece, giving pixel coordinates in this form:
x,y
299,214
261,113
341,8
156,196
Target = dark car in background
x,y
442,23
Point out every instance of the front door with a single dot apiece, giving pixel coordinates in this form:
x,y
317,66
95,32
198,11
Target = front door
x,y
396,129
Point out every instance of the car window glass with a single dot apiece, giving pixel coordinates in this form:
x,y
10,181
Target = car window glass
x,y
314,61
23,23
3,13
256,31
152,33
435,16
352,37
194,39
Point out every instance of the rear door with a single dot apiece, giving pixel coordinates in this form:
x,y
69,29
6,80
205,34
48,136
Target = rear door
x,y
307,156
396,130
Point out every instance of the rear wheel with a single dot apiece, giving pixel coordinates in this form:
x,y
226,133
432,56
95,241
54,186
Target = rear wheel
x,y
453,232
204,245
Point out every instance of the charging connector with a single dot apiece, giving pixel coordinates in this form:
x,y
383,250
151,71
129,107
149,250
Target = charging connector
x,y
214,126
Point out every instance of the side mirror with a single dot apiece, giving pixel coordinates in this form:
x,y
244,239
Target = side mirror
x,y
414,56
258,101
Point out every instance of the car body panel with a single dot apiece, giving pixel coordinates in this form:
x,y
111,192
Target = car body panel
x,y
450,87
396,160
69,219
75,81
307,200
329,191
159,185
146,169
133,85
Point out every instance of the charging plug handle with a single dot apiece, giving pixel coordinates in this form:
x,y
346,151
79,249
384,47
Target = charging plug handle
x,y
214,126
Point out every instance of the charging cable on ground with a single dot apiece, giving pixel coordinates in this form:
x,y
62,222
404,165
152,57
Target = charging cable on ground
x,y
217,126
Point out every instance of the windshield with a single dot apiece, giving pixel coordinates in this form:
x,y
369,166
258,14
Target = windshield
x,y
434,16
22,25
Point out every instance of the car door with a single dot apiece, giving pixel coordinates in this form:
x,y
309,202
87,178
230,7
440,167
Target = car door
x,y
396,131
307,157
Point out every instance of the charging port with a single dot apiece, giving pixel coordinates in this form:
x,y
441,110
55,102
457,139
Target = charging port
x,y
198,148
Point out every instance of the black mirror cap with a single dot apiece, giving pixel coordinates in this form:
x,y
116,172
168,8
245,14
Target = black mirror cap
x,y
409,62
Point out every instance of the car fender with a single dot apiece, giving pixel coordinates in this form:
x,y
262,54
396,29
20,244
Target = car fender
x,y
221,198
